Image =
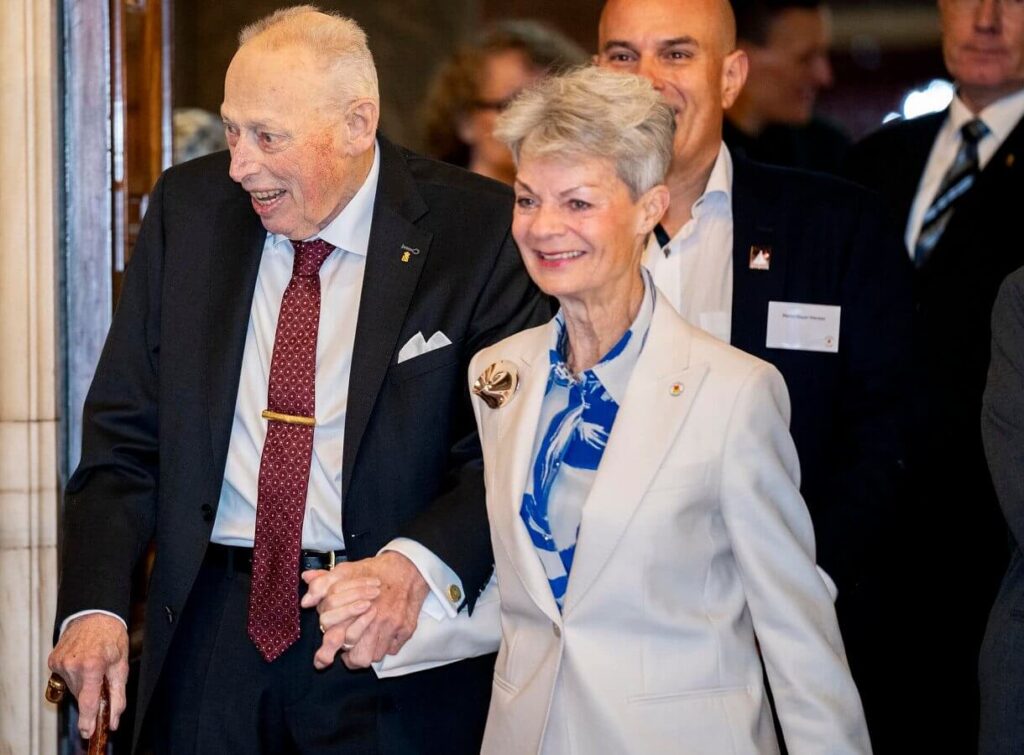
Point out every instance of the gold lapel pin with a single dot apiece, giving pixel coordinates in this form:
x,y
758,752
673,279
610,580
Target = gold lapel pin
x,y
407,252
497,384
676,389
760,257
1010,160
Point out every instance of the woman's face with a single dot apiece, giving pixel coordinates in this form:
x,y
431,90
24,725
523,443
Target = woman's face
x,y
579,231
502,77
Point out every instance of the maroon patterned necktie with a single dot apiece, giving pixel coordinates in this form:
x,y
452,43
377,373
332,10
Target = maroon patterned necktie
x,y
284,466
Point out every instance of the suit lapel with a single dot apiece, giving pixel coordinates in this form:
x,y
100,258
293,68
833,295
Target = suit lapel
x,y
753,213
236,246
388,286
511,459
650,414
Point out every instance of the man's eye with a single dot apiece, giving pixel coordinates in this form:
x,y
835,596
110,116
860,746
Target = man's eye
x,y
678,55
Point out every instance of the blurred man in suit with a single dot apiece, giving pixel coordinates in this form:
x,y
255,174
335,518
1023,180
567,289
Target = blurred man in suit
x,y
282,392
800,270
787,43
1002,427
954,182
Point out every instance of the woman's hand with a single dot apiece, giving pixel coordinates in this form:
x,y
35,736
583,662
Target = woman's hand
x,y
345,605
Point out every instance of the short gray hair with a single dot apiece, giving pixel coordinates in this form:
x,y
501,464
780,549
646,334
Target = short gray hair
x,y
336,40
595,113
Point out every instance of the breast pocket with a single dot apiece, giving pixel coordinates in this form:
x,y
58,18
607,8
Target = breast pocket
x,y
694,476
418,366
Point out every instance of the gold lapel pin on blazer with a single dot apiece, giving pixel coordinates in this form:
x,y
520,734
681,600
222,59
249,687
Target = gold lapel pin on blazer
x,y
407,252
497,384
760,257
1010,160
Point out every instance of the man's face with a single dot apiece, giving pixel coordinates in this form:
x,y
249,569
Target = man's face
x,y
682,47
789,70
290,142
983,44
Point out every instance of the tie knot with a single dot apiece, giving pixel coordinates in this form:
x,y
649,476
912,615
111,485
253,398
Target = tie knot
x,y
309,256
974,131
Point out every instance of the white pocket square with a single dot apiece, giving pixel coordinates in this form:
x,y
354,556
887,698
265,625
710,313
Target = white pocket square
x,y
418,347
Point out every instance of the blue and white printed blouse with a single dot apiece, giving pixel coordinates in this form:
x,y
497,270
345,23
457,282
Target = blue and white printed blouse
x,y
576,419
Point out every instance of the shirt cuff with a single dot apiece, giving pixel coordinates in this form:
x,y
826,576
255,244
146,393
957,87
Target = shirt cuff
x,y
72,617
446,593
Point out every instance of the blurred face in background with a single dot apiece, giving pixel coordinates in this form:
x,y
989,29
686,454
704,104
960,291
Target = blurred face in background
x,y
983,45
501,78
684,48
789,69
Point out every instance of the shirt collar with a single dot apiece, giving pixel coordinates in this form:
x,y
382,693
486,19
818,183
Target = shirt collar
x,y
719,182
614,368
350,231
1001,117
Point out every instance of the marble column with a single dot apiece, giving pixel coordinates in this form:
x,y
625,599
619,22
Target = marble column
x,y
28,422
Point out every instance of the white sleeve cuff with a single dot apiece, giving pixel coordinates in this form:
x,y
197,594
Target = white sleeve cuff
x,y
446,593
72,617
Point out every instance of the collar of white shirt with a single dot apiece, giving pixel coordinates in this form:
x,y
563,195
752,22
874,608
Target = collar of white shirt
x,y
719,186
350,231
1001,117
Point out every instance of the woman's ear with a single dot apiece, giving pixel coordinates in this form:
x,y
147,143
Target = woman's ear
x,y
653,205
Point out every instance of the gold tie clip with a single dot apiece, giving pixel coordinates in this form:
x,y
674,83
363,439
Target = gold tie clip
x,y
291,419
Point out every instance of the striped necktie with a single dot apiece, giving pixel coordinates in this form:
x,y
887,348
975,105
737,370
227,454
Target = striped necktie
x,y
955,184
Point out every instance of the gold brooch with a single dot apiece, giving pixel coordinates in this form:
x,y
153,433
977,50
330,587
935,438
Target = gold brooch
x,y
497,384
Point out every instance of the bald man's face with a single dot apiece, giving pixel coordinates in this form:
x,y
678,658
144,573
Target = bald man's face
x,y
685,48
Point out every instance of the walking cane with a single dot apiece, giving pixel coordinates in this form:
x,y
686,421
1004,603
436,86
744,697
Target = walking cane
x,y
55,688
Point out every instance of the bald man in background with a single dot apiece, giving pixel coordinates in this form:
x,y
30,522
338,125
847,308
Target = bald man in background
x,y
800,270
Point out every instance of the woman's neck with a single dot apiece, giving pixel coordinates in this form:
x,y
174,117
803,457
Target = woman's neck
x,y
593,327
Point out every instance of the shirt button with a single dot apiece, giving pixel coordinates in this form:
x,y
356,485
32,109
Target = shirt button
x,y
454,593
557,630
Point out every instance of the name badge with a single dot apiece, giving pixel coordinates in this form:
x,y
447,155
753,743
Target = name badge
x,y
803,327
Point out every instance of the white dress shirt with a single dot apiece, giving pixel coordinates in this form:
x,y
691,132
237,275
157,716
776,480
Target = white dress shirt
x,y
694,270
1001,117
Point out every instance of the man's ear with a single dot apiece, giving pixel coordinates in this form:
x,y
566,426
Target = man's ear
x,y
361,120
735,68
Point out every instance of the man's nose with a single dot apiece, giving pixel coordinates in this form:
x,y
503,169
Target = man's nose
x,y
242,164
648,68
988,15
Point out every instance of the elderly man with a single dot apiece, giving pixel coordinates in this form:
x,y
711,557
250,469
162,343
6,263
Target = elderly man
x,y
282,390
954,182
787,43
799,270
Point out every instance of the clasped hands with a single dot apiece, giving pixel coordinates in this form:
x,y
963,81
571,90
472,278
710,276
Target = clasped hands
x,y
368,608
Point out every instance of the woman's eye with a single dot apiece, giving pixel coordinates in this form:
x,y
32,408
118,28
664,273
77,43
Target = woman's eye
x,y
524,202
579,204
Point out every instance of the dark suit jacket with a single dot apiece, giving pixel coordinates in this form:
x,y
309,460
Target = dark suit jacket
x,y
158,415
831,245
954,539
1002,428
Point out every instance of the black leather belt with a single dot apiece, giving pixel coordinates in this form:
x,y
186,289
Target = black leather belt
x,y
239,559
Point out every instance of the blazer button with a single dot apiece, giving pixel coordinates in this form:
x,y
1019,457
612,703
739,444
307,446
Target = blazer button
x,y
207,510
557,630
170,614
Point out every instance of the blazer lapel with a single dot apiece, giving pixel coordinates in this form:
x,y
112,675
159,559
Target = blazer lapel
x,y
647,425
510,461
236,248
388,286
753,212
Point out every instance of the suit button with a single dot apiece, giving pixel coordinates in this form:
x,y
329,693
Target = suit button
x,y
556,629
207,510
170,614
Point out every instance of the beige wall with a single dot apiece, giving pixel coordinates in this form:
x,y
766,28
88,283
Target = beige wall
x,y
28,471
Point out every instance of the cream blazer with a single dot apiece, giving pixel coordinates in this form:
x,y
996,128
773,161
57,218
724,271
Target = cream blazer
x,y
695,549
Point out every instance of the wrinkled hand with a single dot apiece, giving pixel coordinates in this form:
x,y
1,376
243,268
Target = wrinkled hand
x,y
384,627
92,647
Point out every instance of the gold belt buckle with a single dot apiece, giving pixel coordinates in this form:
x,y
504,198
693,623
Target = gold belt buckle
x,y
330,562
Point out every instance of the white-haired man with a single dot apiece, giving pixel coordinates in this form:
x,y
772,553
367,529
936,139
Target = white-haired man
x,y
282,389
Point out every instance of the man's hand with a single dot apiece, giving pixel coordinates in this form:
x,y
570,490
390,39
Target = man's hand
x,y
93,647
383,628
